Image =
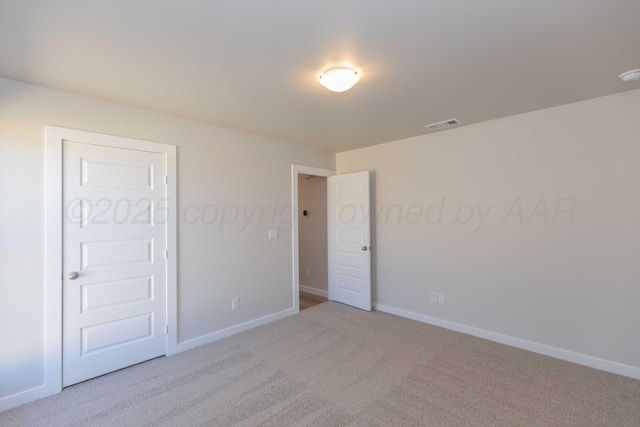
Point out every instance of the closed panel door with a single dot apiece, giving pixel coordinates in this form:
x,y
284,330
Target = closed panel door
x,y
349,239
114,266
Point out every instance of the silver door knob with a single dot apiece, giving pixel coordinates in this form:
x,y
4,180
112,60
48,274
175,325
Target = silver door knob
x,y
364,248
73,275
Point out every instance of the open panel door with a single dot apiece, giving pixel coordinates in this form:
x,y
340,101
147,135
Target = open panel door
x,y
349,240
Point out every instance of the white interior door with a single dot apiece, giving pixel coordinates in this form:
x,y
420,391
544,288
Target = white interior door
x,y
114,266
349,239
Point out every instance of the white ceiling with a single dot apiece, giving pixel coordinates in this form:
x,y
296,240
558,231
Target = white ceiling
x,y
252,65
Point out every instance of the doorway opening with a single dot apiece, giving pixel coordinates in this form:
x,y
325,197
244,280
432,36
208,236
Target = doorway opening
x,y
348,231
312,240
310,270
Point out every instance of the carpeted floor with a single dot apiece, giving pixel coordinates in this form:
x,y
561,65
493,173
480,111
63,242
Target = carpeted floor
x,y
334,365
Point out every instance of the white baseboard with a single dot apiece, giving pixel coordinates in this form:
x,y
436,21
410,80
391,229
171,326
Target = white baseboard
x,y
23,397
313,291
218,335
36,393
558,353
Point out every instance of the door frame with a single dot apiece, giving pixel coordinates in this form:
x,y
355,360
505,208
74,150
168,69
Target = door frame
x,y
54,137
295,171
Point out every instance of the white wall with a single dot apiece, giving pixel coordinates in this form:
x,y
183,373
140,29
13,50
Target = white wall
x,y
569,281
217,261
312,197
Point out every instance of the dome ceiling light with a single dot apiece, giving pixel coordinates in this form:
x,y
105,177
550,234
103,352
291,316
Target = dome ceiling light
x,y
630,76
339,79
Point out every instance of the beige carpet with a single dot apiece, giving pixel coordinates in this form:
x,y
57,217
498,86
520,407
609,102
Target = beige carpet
x,y
333,365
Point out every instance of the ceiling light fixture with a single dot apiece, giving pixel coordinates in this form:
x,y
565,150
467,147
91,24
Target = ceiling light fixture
x,y
630,76
339,79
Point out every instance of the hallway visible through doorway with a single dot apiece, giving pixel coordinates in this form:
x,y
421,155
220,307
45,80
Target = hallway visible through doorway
x,y
309,300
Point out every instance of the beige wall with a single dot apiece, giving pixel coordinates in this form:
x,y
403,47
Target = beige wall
x,y
530,225
312,197
246,178
563,271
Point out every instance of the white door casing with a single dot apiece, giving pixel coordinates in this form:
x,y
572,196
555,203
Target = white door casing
x,y
349,239
54,215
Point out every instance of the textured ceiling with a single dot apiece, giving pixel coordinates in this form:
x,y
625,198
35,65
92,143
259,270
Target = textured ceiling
x,y
252,65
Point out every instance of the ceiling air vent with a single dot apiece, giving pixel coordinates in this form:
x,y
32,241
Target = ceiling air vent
x,y
443,124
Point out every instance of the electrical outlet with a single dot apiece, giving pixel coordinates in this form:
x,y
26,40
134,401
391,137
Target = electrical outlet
x,y
235,303
434,297
308,272
441,298
273,234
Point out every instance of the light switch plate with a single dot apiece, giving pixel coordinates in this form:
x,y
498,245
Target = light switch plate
x,y
273,234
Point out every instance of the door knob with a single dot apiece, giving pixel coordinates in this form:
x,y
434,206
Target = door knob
x,y
364,248
73,275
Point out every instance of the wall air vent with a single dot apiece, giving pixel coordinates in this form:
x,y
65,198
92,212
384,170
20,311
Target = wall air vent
x,y
443,124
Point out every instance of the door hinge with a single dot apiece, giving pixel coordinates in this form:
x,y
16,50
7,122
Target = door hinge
x,y
166,254
166,180
166,329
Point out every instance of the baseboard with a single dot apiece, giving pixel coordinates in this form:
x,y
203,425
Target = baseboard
x,y
19,399
313,291
23,397
218,335
558,353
